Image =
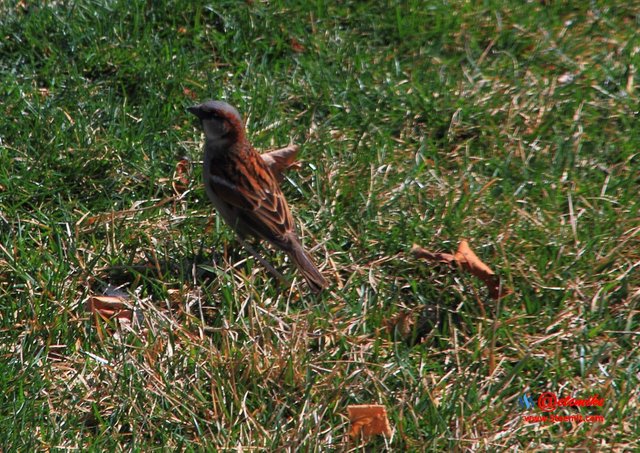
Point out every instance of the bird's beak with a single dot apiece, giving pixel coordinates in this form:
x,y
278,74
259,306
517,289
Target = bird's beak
x,y
196,110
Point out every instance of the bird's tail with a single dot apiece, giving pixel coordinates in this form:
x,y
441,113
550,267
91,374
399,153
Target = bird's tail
x,y
309,271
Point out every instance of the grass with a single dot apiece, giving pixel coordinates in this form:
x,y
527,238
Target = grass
x,y
511,125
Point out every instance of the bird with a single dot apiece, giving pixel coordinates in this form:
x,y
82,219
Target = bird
x,y
245,191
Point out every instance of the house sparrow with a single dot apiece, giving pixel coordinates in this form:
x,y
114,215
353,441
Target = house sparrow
x,y
244,190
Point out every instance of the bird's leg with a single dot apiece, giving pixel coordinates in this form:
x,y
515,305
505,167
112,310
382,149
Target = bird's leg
x,y
198,257
264,262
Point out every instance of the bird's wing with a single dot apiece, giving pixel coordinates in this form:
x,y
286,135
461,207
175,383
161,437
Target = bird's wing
x,y
249,186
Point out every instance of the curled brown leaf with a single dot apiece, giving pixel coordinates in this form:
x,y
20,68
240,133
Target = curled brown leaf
x,y
109,307
181,176
467,260
296,45
368,420
189,92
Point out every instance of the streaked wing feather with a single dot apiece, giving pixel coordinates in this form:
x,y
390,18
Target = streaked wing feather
x,y
257,194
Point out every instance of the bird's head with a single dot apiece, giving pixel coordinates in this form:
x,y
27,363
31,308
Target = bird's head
x,y
220,121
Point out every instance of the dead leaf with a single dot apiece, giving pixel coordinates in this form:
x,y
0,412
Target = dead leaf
x,y
296,46
631,75
22,5
56,352
565,78
181,176
190,93
402,323
445,258
281,160
368,420
466,259
109,307
411,326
